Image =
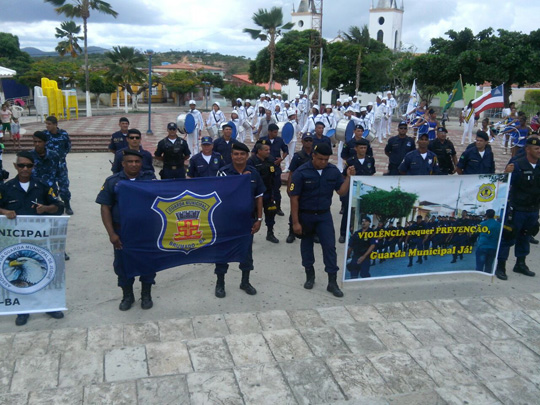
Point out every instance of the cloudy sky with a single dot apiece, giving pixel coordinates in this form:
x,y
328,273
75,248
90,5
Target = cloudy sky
x,y
216,25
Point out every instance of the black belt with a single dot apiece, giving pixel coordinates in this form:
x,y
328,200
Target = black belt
x,y
314,212
173,167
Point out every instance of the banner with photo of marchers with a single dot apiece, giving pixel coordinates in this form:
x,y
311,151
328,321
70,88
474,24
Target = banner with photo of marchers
x,y
422,225
32,267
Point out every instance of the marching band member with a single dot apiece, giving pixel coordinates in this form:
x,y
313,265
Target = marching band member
x,y
329,119
303,109
468,117
379,111
315,117
278,115
261,102
292,144
193,138
235,118
355,103
216,116
391,105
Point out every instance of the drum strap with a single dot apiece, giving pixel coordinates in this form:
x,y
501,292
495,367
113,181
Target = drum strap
x,y
215,119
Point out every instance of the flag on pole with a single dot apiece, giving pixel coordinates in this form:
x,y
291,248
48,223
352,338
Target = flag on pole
x,y
491,99
455,95
413,99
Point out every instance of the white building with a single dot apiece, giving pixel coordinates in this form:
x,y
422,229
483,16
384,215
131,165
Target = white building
x,y
386,22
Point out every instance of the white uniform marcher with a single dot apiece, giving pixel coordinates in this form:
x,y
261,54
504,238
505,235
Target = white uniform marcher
x,y
292,144
303,110
215,117
279,116
379,110
391,105
468,125
309,126
193,138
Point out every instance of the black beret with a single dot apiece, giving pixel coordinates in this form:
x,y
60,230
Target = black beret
x,y
134,131
240,146
359,127
442,129
273,127
362,142
129,152
226,125
483,135
323,149
320,123
423,136
26,155
40,135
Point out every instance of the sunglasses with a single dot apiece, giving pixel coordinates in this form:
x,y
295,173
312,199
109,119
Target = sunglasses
x,y
23,165
134,137
308,140
402,127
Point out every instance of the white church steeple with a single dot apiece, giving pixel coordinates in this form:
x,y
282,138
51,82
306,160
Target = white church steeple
x,y
385,22
303,16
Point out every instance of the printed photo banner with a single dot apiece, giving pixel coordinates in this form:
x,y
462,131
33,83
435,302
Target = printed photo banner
x,y
417,225
32,268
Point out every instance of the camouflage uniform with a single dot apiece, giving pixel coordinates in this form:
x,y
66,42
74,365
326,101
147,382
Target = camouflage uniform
x,y
61,144
47,168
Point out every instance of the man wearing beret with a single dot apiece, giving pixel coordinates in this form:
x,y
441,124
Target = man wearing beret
x,y
223,145
110,215
311,190
477,159
318,135
397,147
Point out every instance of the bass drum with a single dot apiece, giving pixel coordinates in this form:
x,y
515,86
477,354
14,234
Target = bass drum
x,y
213,131
368,135
330,133
220,131
344,130
186,123
286,131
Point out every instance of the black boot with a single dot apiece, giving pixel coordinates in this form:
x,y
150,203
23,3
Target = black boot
x,y
220,286
244,285
128,299
146,297
332,285
67,206
291,237
270,237
522,268
310,278
500,271
279,212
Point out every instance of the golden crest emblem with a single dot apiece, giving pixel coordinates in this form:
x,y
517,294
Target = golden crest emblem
x,y
486,193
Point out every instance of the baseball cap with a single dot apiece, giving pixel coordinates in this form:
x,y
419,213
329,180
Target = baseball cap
x,y
206,140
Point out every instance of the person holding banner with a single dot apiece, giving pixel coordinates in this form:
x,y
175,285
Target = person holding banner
x,y
173,152
420,162
361,247
311,190
239,166
397,147
110,215
25,195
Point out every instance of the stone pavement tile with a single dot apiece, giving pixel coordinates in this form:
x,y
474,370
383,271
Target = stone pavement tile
x,y
287,344
357,377
217,387
80,366
467,394
519,357
514,391
175,330
416,398
169,390
14,398
477,305
38,372
61,396
361,401
421,309
503,304
306,318
442,366
126,363
521,322
334,316
136,334
394,311
428,332
449,307
401,372
360,339
6,372
365,313
209,326
168,358
6,340
263,384
105,337
243,323
68,340
324,342
395,336
274,320
532,343
526,301
536,295
31,343
461,329
124,393
311,381
209,354
493,326
533,314
249,349
482,362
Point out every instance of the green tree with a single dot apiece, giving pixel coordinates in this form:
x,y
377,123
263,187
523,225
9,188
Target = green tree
x,y
11,55
100,84
64,72
68,30
387,205
271,26
360,37
81,9
181,83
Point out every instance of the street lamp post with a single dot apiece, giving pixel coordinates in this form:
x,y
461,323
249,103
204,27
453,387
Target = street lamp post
x,y
149,52
205,84
301,61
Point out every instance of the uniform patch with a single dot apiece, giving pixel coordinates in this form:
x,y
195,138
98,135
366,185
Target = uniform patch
x,y
486,193
291,188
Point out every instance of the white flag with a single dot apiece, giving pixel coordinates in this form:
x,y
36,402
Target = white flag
x,y
413,99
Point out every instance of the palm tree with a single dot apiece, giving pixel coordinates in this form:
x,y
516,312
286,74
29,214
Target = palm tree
x,y
69,31
123,69
358,36
271,24
81,9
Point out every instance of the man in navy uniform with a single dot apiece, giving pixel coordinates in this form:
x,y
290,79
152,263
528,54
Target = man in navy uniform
x,y
318,135
311,190
397,147
118,139
239,157
477,159
207,162
223,145
420,162
361,247
110,215
173,152
349,148
445,151
134,143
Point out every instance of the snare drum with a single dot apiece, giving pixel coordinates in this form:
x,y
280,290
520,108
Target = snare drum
x,y
213,131
343,127
286,131
330,133
368,136
186,123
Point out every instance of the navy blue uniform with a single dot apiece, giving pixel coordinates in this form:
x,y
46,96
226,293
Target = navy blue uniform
x,y
14,198
109,196
349,150
257,189
277,145
323,139
445,152
360,244
396,149
267,170
47,168
61,144
471,162
315,193
415,165
416,241
174,154
298,159
223,147
118,141
147,160
199,167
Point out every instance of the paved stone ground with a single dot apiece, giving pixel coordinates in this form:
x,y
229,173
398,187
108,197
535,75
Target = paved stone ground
x,y
468,351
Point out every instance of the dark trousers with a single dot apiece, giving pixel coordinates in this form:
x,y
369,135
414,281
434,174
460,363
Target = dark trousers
x,y
361,269
485,259
323,226
63,183
124,281
277,184
245,265
178,173
521,220
344,216
270,210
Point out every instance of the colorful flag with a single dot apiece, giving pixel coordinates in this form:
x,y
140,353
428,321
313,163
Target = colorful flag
x,y
491,99
413,99
455,95
170,223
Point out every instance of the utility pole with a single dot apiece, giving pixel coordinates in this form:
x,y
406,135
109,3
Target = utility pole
x,y
316,7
